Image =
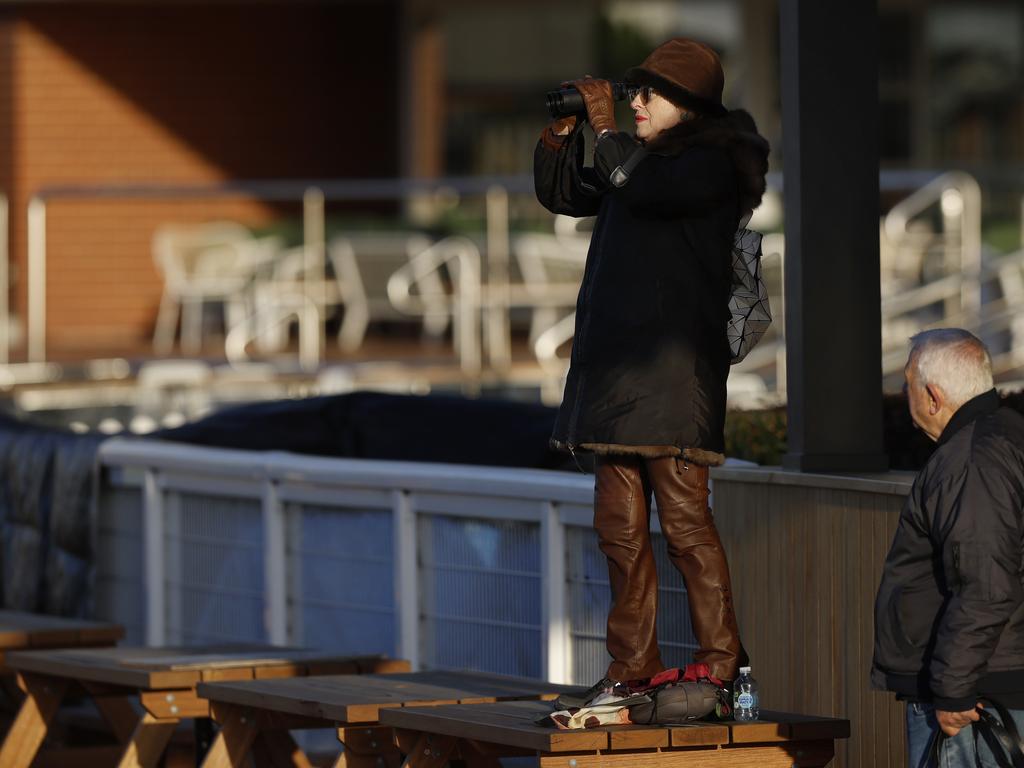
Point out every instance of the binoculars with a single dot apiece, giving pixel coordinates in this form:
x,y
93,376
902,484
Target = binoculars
x,y
569,101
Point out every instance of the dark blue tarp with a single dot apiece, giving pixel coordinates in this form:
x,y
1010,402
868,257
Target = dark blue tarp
x,y
46,531
372,425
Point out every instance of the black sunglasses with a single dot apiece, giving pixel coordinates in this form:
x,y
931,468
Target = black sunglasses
x,y
645,92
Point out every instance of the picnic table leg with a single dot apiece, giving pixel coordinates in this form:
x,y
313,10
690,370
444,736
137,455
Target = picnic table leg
x,y
430,752
476,757
350,759
148,742
279,750
232,744
11,695
368,747
204,733
119,714
42,697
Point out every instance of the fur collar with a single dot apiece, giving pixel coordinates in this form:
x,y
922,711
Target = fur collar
x,y
698,456
735,132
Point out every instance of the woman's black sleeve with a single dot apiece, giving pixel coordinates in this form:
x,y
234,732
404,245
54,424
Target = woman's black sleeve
x,y
559,180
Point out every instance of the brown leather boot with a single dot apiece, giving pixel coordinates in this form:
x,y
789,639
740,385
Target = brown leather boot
x,y
622,513
681,490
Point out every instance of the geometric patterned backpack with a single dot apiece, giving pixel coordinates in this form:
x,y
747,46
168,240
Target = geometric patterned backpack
x,y
750,314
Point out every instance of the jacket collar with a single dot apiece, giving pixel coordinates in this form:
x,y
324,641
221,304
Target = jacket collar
x,y
734,132
975,408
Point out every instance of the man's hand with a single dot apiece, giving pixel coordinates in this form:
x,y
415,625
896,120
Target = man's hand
x,y
597,96
952,722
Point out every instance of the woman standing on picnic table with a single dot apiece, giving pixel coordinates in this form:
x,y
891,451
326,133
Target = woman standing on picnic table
x,y
646,386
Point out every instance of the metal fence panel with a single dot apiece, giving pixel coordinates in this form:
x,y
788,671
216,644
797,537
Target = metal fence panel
x,y
480,594
215,570
341,590
590,599
120,596
675,631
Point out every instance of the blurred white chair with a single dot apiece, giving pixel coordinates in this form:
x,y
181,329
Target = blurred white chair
x,y
416,288
551,266
177,388
287,292
363,263
212,262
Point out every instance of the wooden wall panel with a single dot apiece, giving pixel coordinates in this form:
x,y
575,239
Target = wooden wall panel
x,y
176,93
806,562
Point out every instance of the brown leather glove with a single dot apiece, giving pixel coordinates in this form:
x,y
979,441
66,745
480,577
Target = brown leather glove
x,y
555,132
597,96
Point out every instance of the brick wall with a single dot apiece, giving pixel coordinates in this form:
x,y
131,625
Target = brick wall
x,y
111,94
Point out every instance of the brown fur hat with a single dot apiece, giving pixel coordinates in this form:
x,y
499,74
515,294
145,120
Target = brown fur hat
x,y
685,72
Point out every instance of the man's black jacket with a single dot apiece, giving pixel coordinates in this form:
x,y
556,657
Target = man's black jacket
x,y
949,615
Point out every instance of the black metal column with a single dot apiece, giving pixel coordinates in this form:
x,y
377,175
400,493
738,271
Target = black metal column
x,y
829,67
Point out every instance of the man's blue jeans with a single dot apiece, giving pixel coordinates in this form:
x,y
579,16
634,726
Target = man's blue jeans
x,y
958,752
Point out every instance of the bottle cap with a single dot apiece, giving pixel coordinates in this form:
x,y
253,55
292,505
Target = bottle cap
x,y
744,670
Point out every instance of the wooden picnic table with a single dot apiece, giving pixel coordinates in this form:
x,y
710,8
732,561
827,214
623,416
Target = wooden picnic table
x,y
20,631
482,734
352,705
159,682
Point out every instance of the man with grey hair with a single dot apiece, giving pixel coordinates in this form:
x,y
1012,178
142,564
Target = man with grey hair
x,y
949,614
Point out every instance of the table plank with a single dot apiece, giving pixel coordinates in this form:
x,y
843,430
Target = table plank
x,y
499,686
512,724
699,734
785,726
96,666
156,668
351,699
509,723
635,737
23,630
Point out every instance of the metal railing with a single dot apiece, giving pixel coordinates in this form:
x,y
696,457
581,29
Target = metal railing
x,y
959,199
956,195
492,568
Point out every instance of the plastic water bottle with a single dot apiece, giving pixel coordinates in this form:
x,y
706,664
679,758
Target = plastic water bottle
x,y
746,704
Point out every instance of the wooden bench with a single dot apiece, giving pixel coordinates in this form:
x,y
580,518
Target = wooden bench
x,y
482,734
144,693
352,705
21,631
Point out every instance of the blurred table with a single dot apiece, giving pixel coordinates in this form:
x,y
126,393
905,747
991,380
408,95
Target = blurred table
x,y
144,693
21,631
351,705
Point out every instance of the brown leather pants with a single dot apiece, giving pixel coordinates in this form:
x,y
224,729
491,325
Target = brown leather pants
x,y
622,510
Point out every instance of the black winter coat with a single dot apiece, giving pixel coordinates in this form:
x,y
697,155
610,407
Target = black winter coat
x,y
650,356
949,615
